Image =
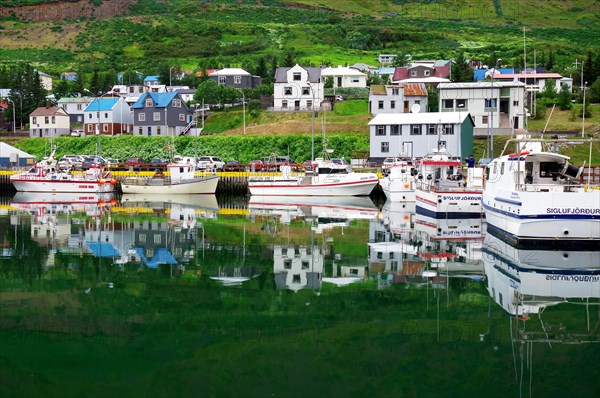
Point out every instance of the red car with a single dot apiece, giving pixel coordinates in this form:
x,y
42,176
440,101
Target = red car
x,y
134,162
256,165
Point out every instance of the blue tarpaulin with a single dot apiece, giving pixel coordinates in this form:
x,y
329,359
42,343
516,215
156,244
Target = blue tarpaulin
x,y
103,249
161,256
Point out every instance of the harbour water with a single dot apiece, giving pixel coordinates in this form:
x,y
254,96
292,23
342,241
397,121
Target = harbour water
x,y
326,297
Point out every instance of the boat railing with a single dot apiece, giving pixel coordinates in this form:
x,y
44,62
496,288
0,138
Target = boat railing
x,y
554,187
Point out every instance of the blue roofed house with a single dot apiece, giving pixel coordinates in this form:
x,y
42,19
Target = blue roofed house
x,y
107,115
163,114
151,81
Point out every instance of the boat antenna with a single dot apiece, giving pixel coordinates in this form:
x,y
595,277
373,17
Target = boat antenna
x,y
548,121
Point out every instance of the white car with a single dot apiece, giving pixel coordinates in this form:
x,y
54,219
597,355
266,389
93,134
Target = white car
x,y
210,163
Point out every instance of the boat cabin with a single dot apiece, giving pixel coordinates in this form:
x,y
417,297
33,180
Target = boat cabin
x,y
180,172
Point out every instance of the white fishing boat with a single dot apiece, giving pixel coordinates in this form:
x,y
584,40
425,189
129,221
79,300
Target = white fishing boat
x,y
181,179
443,191
46,176
537,199
398,181
450,228
325,179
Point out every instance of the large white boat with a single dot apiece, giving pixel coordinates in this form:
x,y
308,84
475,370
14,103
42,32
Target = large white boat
x,y
325,179
398,181
46,176
443,191
181,180
537,199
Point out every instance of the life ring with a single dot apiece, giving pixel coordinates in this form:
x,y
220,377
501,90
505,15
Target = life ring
x,y
406,185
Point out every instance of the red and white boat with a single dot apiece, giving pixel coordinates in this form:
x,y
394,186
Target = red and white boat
x,y
46,176
443,191
325,179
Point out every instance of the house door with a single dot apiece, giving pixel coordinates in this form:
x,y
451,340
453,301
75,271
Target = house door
x,y
149,131
516,123
407,148
339,81
405,106
297,105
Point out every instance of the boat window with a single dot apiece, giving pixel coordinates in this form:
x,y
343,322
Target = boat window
x,y
502,169
528,172
549,169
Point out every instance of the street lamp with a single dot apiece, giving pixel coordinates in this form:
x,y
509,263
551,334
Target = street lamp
x,y
583,112
14,122
97,99
20,108
492,103
243,108
312,90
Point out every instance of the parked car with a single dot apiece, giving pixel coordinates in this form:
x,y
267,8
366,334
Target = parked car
x,y
256,165
88,161
134,162
70,162
275,163
77,133
234,165
114,163
211,163
158,163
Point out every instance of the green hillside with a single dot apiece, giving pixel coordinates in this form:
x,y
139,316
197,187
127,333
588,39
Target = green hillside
x,y
206,34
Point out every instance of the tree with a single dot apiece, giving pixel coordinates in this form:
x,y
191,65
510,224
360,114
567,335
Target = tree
x,y
207,92
401,59
590,69
593,94
329,82
549,90
433,100
550,63
461,71
564,98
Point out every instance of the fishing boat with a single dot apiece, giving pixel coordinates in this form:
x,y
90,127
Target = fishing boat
x,y
535,198
398,181
46,176
181,179
325,178
443,191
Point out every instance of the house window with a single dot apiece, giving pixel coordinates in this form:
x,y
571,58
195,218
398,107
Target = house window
x,y
413,73
157,238
148,102
431,129
287,90
448,104
90,128
53,119
484,120
304,264
385,147
131,89
448,129
427,72
182,117
79,107
141,117
515,103
355,79
105,127
380,130
237,80
461,104
395,129
140,131
380,105
415,129
156,116
143,238
176,103
395,91
287,264
140,90
34,120
393,104
158,130
105,115
296,278
297,76
222,79
490,103
309,104
284,104
46,120
305,91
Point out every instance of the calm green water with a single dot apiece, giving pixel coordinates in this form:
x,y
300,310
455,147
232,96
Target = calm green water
x,y
219,297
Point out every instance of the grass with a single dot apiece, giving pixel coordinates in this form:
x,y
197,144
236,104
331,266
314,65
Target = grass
x,y
566,121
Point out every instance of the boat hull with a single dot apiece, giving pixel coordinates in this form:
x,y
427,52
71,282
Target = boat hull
x,y
452,204
398,190
80,185
142,185
547,220
355,184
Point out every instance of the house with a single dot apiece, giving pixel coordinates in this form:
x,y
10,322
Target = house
x,y
297,89
46,80
51,121
416,134
11,156
433,72
151,80
187,94
107,115
163,114
130,92
69,76
364,67
386,73
75,107
386,58
398,98
492,105
536,82
235,77
208,72
345,77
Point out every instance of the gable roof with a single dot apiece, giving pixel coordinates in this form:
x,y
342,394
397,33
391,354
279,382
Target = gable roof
x,y
102,104
49,111
151,79
230,72
6,150
409,89
314,74
161,100
341,71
